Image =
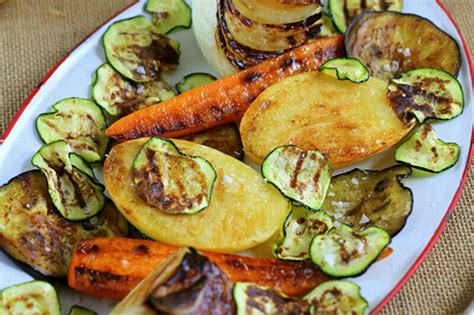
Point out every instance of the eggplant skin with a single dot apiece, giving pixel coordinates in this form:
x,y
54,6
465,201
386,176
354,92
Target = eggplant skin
x,y
391,43
33,232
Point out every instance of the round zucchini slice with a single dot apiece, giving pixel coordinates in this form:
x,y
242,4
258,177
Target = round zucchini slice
x,y
336,297
138,51
172,181
362,199
119,96
81,310
35,297
392,43
423,150
426,93
302,176
34,233
194,80
254,299
344,252
299,229
169,15
327,28
346,69
80,123
343,11
75,194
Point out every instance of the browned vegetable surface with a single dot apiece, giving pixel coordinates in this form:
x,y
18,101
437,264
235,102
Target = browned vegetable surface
x,y
390,43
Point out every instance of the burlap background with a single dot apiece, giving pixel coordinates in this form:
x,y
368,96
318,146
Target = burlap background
x,y
35,34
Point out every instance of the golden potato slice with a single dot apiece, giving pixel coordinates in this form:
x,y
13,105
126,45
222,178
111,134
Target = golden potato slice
x,y
346,121
244,211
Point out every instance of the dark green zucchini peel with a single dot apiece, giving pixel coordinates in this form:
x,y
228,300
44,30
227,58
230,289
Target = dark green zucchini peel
x,y
169,15
346,69
344,252
224,138
138,51
423,150
34,297
75,194
34,233
302,176
343,11
362,199
426,93
172,181
254,299
119,96
194,80
79,122
299,229
81,310
336,297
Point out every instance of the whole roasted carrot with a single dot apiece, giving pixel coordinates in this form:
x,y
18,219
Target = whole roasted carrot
x,y
224,100
111,267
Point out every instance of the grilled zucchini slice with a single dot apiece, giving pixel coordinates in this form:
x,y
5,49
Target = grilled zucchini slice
x,y
336,297
223,138
344,252
392,43
426,93
80,123
169,15
346,69
119,96
35,297
423,150
327,28
343,11
299,229
194,80
362,199
172,181
302,176
75,194
81,310
34,233
254,299
138,51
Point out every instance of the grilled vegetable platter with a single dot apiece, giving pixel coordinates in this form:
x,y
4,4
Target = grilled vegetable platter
x,y
236,157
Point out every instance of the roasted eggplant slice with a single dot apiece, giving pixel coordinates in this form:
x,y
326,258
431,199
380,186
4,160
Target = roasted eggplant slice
x,y
423,150
224,138
299,229
426,93
120,96
302,176
391,43
336,297
35,297
75,194
80,123
194,80
346,69
169,15
172,181
343,11
363,199
185,283
253,299
344,252
138,51
33,232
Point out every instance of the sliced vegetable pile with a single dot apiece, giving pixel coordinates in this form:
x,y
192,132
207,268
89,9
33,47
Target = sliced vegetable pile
x,y
197,192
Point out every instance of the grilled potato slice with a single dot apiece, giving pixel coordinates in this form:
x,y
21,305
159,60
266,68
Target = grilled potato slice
x,y
345,121
244,210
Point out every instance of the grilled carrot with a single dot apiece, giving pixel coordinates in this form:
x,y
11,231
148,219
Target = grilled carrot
x,y
111,267
225,100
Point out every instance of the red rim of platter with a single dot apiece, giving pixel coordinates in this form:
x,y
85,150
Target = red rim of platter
x,y
441,226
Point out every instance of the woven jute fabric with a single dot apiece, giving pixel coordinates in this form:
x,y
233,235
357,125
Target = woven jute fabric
x,y
35,34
